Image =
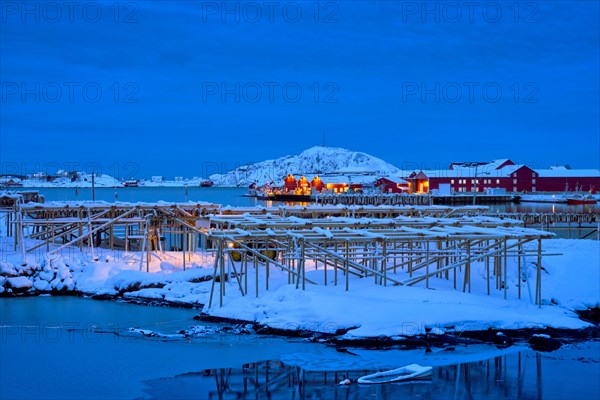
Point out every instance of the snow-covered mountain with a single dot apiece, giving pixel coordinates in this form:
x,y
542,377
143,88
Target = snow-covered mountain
x,y
314,160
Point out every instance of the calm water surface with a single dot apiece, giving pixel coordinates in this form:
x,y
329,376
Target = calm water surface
x,y
73,348
235,197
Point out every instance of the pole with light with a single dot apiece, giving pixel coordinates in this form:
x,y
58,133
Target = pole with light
x,y
475,183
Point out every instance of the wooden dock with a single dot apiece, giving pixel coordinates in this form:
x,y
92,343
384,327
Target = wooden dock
x,y
372,199
392,199
459,199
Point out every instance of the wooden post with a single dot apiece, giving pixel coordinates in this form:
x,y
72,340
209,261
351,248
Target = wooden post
x,y
519,268
467,278
267,264
487,267
325,270
80,230
384,262
427,264
212,287
347,264
439,257
183,244
256,273
410,259
538,286
111,230
221,274
245,269
335,271
505,268
303,261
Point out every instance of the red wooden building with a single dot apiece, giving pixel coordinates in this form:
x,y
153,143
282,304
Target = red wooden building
x,y
341,183
392,185
504,174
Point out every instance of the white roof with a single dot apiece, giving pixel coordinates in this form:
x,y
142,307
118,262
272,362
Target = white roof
x,y
482,171
490,171
500,161
398,178
568,173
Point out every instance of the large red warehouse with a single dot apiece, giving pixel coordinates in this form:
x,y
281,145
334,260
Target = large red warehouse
x,y
504,174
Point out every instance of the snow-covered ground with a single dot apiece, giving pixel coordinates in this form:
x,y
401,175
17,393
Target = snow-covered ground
x,y
570,280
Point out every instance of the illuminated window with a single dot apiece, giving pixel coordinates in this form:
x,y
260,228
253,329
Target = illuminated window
x,y
452,181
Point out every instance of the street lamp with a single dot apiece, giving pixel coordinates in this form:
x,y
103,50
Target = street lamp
x,y
471,165
475,184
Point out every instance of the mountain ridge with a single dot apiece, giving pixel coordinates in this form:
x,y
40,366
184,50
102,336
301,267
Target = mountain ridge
x,y
315,160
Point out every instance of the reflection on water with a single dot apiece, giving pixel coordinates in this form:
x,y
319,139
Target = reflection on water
x,y
235,197
545,208
571,372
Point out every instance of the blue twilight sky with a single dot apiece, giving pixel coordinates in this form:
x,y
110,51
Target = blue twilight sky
x,y
192,88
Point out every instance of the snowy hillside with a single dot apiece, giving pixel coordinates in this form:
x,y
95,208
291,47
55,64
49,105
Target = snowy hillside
x,y
314,160
82,179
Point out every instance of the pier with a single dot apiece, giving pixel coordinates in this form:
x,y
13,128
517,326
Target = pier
x,y
373,199
391,199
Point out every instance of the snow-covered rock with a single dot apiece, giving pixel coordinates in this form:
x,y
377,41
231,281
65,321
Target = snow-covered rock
x,y
42,285
46,275
7,269
19,283
314,160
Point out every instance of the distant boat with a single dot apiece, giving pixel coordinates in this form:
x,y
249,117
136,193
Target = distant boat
x,y
577,199
408,372
12,183
131,183
206,183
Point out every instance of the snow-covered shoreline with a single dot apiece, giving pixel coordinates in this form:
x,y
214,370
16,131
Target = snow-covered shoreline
x,y
365,312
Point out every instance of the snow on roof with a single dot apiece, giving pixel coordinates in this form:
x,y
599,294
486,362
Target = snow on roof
x,y
568,173
398,178
469,172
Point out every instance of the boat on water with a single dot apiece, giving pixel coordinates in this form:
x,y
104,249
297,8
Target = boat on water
x,y
131,183
408,372
578,199
206,183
